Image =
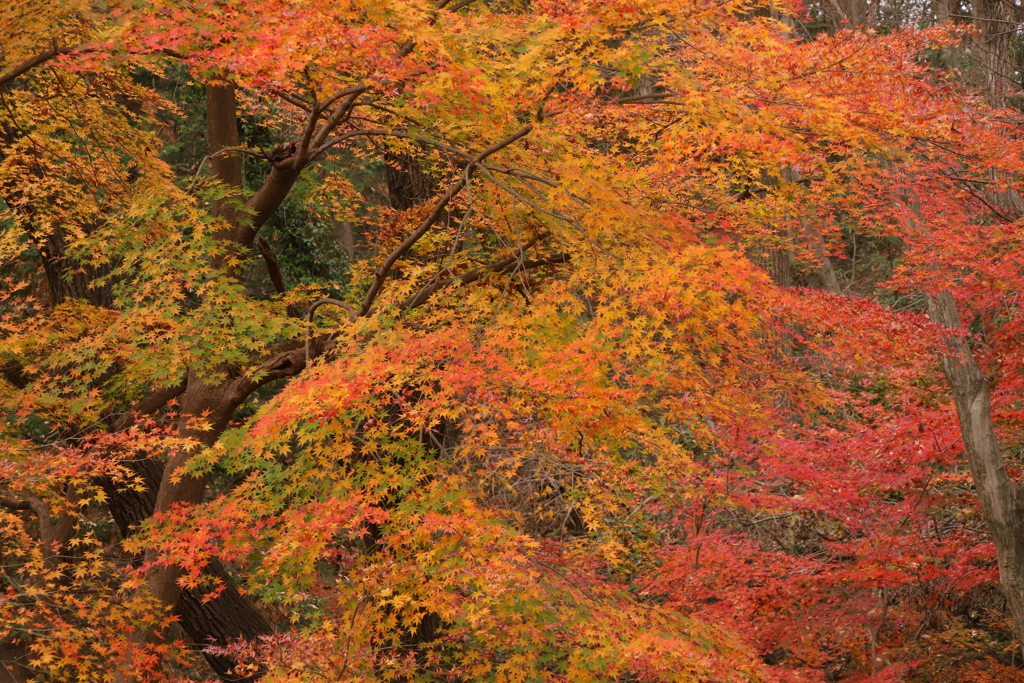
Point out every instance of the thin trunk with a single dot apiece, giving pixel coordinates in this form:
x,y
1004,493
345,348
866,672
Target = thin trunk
x,y
347,238
1002,499
826,273
944,10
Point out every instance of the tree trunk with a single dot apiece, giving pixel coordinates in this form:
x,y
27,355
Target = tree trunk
x,y
944,10
1002,500
849,14
408,184
222,134
227,617
230,615
14,659
994,21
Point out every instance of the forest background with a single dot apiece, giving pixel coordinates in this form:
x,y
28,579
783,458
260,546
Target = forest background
x,y
511,340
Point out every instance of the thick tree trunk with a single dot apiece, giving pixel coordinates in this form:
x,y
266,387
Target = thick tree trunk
x,y
408,184
850,14
68,279
994,21
1002,499
222,134
229,616
219,621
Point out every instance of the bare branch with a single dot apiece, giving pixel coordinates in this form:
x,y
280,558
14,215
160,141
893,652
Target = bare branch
x,y
533,205
428,222
15,504
329,102
302,150
511,264
272,265
641,99
292,99
345,136
274,269
517,173
55,51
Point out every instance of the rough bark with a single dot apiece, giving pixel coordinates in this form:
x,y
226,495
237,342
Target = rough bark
x,y
1002,499
219,621
850,13
215,402
944,10
994,21
408,183
347,238
230,615
68,279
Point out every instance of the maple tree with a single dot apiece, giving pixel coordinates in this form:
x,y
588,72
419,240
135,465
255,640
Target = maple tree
x,y
569,416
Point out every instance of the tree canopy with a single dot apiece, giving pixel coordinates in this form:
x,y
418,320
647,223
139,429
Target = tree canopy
x,y
507,340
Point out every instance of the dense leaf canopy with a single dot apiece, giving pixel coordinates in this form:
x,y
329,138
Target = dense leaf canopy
x,y
625,373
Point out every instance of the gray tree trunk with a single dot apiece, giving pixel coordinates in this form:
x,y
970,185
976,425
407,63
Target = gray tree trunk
x,y
1002,499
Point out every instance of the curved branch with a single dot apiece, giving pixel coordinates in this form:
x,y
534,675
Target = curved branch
x,y
435,215
340,112
317,304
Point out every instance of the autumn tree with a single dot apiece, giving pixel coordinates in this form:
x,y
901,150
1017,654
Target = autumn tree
x,y
557,424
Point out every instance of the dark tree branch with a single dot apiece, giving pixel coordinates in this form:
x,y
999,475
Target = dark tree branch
x,y
353,314
459,5
272,265
284,360
511,264
15,504
430,220
149,404
354,90
275,273
292,99
40,58
366,133
340,112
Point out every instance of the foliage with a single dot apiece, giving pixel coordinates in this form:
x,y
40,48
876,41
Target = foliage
x,y
579,424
